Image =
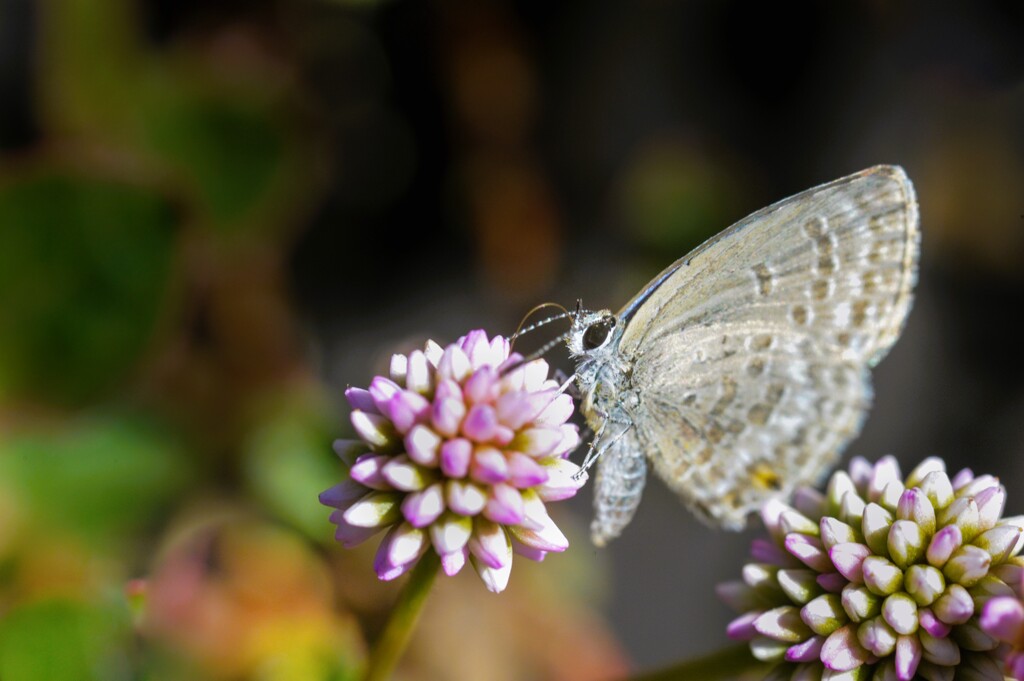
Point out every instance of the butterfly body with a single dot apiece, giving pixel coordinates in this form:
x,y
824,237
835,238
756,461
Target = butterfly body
x,y
741,371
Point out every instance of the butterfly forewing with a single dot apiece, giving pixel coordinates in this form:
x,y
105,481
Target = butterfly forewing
x,y
839,260
749,356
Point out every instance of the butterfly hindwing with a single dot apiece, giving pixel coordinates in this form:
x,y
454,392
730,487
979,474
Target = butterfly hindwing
x,y
729,424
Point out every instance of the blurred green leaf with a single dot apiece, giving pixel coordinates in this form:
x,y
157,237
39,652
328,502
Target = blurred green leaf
x,y
218,133
673,195
229,150
289,461
58,640
100,476
89,65
84,268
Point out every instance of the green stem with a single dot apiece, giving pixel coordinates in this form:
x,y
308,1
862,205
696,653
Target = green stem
x,y
729,663
403,618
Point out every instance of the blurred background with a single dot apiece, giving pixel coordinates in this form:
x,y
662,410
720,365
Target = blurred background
x,y
216,215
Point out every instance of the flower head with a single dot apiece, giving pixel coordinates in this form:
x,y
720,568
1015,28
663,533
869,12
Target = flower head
x,y
460,448
880,575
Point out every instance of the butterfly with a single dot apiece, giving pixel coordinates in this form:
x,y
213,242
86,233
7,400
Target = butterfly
x,y
742,370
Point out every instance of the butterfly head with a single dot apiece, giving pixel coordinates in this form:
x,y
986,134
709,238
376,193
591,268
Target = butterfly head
x,y
593,342
592,332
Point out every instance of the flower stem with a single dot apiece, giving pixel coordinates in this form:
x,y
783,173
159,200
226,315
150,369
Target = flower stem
x,y
403,618
734,662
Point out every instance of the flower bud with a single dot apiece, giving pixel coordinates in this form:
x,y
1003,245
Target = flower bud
x,y
938,489
900,612
915,506
877,636
782,624
875,528
860,603
824,614
906,543
924,583
881,576
967,565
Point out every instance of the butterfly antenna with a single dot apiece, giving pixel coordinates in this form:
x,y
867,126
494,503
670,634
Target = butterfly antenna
x,y
544,349
521,331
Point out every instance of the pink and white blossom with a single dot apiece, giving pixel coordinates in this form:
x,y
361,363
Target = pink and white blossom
x,y
459,450
887,578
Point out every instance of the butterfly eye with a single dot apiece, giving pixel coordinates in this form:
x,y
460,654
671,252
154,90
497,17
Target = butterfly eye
x,y
596,334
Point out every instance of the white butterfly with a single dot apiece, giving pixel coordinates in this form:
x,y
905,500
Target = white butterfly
x,y
741,371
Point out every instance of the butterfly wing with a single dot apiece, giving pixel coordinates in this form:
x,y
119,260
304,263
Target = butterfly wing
x,y
750,354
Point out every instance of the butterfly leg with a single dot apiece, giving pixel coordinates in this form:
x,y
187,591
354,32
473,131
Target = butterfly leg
x,y
598,446
592,452
568,384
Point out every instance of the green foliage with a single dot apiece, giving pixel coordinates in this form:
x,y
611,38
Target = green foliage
x,y
62,640
100,476
84,267
289,462
674,196
229,149
90,65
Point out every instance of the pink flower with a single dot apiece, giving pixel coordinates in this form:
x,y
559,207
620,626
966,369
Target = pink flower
x,y
885,577
460,449
1002,617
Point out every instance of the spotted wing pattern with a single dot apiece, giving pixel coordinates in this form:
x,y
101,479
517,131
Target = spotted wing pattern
x,y
750,355
751,416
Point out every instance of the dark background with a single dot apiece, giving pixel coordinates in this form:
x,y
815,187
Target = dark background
x,y
209,207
